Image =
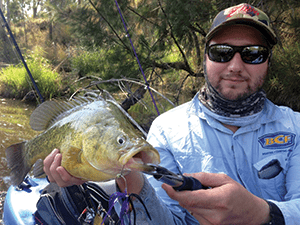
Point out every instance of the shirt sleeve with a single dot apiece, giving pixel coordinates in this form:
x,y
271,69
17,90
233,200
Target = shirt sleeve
x,y
162,209
290,205
159,212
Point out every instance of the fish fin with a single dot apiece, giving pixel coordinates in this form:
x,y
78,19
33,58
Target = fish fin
x,y
38,168
15,155
49,112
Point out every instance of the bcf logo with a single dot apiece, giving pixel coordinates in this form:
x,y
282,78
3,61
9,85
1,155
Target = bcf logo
x,y
277,140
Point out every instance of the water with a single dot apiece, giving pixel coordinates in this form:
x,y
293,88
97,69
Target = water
x,y
14,128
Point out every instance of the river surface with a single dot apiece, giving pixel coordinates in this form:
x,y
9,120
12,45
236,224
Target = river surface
x,y
14,128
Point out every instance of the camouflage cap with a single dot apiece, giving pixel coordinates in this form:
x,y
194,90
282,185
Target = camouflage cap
x,y
243,14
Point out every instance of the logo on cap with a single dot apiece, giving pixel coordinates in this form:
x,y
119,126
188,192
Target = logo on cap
x,y
243,9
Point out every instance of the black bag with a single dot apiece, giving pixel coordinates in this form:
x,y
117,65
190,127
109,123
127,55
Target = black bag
x,y
73,205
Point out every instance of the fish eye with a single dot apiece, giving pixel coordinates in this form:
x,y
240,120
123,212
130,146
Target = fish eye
x,y
121,140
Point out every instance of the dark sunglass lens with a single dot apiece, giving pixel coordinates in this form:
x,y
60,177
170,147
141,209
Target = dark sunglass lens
x,y
255,54
220,53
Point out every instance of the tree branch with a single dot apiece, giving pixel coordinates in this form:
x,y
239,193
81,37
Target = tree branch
x,y
198,29
113,30
197,47
144,18
187,66
133,98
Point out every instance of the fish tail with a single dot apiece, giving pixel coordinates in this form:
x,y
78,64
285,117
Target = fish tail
x,y
16,162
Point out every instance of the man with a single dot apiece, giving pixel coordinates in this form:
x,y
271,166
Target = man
x,y
229,136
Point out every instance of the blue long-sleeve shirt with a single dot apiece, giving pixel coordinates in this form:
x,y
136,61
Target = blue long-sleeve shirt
x,y
190,140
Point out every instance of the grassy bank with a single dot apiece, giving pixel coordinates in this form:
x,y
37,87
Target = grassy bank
x,y
15,81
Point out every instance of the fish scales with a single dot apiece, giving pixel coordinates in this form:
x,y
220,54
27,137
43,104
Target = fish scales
x,y
95,138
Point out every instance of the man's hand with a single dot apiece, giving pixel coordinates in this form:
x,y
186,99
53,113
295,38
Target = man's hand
x,y
56,173
133,182
227,202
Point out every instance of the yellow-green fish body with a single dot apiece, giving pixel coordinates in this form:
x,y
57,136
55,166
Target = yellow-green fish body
x,y
95,137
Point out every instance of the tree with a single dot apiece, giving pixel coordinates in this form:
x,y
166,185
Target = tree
x,y
168,37
163,41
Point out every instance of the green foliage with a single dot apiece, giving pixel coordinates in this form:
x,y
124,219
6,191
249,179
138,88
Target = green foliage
x,y
168,36
284,78
102,63
15,81
87,62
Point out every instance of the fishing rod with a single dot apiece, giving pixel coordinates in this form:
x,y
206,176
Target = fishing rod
x,y
138,61
21,56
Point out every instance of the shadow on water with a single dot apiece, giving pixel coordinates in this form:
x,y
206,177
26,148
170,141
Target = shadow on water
x,y
14,128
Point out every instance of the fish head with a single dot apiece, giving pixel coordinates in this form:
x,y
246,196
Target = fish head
x,y
113,150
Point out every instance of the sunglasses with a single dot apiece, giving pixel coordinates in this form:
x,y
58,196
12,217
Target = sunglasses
x,y
251,54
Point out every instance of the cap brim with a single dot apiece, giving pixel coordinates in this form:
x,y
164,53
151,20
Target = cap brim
x,y
264,29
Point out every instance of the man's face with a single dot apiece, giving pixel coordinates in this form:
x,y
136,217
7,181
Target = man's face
x,y
236,79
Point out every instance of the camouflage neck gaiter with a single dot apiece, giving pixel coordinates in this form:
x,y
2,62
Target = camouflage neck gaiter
x,y
250,105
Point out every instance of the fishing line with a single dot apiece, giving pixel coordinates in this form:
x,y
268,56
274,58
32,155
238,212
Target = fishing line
x,y
138,61
21,56
14,59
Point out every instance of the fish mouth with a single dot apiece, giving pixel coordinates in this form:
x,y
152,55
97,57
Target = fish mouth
x,y
139,160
